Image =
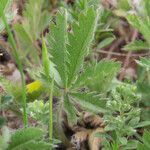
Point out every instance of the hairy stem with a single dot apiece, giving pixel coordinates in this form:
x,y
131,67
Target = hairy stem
x,y
46,65
61,133
51,111
20,67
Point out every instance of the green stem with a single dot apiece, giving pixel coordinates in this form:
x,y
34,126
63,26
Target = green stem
x,y
46,67
20,67
51,111
60,133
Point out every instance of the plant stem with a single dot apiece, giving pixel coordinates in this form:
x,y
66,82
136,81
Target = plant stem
x,y
46,67
60,133
51,110
20,67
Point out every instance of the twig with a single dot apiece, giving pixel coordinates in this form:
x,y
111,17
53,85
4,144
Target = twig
x,y
123,55
113,47
126,63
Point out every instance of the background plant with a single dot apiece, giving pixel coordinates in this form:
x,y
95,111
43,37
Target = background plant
x,y
10,14
123,116
18,61
25,139
140,21
35,21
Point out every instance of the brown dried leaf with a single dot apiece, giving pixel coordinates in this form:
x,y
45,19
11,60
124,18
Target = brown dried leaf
x,y
80,136
95,142
94,120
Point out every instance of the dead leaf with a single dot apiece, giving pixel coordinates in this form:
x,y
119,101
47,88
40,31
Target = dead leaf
x,y
80,137
95,142
94,120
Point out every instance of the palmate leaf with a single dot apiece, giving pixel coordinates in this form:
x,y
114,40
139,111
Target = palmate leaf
x,y
69,57
24,136
89,101
57,42
142,25
25,44
35,18
85,76
79,41
105,72
98,77
140,21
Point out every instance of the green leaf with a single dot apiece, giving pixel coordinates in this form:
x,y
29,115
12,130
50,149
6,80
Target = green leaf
x,y
2,121
123,140
94,3
85,76
146,7
54,73
106,42
36,145
137,45
143,124
24,136
133,122
57,41
144,62
146,141
110,127
123,4
79,40
70,110
146,138
36,19
90,101
4,138
142,147
3,5
103,135
34,22
132,144
141,25
6,8
105,72
46,62
26,44
98,77
114,146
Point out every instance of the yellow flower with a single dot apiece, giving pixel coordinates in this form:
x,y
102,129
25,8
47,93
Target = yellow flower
x,y
34,90
34,86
